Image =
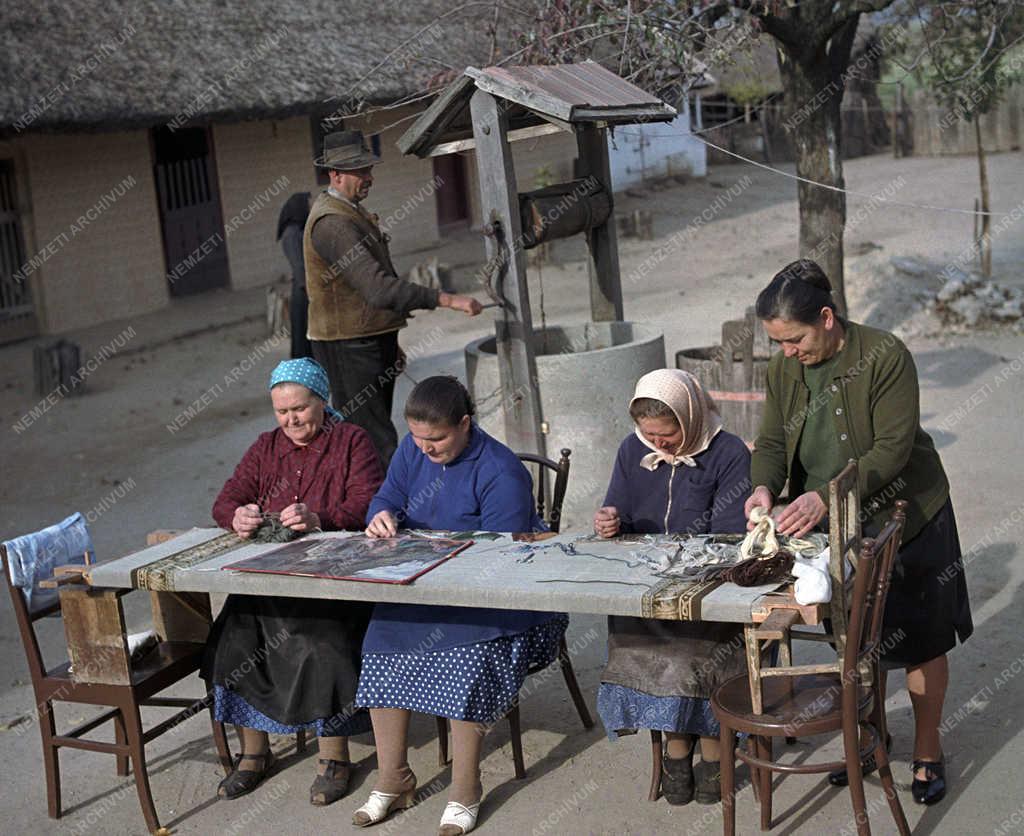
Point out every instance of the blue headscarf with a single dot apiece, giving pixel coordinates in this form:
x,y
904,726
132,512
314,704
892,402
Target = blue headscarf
x,y
306,372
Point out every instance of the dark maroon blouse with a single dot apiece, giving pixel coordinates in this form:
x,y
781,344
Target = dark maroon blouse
x,y
335,475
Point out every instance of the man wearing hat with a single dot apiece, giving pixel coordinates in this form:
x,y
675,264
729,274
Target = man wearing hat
x,y
357,302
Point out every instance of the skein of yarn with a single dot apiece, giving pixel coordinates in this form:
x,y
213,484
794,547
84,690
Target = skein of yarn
x,y
756,571
761,541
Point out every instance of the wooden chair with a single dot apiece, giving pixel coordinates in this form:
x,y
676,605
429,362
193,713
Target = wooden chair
x,y
844,540
162,535
553,520
803,701
540,483
101,672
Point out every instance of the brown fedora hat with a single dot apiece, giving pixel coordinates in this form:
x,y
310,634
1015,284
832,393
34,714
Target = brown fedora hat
x,y
346,151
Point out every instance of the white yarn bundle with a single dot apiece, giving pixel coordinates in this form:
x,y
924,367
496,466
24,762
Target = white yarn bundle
x,y
761,541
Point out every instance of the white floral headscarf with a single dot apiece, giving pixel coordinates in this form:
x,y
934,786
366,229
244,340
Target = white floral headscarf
x,y
694,409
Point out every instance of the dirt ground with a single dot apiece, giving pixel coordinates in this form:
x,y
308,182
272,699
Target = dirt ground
x,y
127,455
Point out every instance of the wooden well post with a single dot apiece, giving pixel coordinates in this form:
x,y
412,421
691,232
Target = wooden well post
x,y
513,323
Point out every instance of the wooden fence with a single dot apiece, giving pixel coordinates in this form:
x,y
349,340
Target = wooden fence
x,y
938,131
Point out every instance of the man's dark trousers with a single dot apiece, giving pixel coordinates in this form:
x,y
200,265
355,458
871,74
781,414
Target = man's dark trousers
x,y
362,375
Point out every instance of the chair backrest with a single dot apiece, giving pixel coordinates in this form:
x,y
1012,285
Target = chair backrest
x,y
540,484
26,619
870,589
844,546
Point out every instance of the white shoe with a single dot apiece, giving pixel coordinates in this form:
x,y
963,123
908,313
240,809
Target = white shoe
x,y
457,815
380,804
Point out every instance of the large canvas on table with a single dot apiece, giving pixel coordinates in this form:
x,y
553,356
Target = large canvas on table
x,y
388,560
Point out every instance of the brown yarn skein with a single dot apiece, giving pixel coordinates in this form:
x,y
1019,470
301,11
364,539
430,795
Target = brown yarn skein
x,y
755,571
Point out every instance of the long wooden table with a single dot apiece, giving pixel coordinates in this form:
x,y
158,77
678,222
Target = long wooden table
x,y
568,574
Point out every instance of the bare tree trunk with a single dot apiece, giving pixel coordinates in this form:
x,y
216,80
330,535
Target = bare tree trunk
x,y
986,219
814,87
766,133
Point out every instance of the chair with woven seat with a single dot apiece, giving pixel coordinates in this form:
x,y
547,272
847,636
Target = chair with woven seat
x,y
803,701
101,672
553,521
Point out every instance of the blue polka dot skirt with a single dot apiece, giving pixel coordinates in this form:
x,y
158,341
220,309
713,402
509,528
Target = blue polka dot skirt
x,y
625,709
230,707
475,682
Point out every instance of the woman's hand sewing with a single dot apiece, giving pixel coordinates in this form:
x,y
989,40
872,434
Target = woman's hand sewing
x,y
607,522
383,524
246,520
298,517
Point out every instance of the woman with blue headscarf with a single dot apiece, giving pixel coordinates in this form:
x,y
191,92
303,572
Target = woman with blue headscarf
x,y
279,665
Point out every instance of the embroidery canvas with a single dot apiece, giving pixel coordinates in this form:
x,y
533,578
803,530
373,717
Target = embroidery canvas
x,y
388,560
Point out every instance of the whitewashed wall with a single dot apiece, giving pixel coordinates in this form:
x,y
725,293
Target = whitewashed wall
x,y
639,152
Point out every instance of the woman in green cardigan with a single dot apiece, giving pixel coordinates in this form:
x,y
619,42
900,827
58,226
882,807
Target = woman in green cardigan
x,y
839,391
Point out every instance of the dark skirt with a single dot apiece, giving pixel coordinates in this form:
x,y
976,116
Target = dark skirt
x,y
673,658
294,660
661,674
928,609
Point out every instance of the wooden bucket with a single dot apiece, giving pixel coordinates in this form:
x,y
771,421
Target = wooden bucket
x,y
734,378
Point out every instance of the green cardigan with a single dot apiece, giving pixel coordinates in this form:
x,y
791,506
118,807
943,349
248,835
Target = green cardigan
x,y
875,405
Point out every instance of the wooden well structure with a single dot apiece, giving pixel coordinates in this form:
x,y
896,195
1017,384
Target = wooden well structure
x,y
485,110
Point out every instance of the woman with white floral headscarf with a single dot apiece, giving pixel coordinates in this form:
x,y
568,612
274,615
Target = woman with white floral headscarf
x,y
680,472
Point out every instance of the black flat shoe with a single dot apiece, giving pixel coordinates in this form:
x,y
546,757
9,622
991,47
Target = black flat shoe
x,y
677,779
243,781
839,778
708,781
933,789
332,785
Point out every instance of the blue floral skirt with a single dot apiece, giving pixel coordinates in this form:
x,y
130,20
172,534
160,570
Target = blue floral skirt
x,y
624,709
230,707
475,682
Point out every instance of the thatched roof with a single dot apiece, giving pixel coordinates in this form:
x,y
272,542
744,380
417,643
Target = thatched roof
x,y
102,66
750,73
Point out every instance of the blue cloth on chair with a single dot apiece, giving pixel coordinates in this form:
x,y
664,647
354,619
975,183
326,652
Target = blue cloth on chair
x,y
32,557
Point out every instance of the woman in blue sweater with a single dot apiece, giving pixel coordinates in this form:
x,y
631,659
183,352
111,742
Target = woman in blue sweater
x,y
679,473
447,474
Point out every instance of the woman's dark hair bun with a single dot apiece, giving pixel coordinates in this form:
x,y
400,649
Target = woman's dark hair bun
x,y
797,292
808,270
441,400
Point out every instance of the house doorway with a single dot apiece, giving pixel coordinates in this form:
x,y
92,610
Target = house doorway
x,y
17,313
190,215
452,197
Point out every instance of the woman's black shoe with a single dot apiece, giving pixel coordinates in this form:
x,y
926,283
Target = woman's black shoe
x,y
839,778
332,785
242,781
933,788
708,781
677,779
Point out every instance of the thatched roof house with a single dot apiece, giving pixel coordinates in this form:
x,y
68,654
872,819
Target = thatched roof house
x,y
146,147
123,64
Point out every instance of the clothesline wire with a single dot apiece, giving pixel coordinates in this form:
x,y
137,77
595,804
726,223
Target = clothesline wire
x,y
831,188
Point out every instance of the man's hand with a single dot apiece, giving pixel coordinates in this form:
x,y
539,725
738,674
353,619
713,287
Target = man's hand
x,y
299,518
607,522
459,302
760,498
246,520
801,515
383,524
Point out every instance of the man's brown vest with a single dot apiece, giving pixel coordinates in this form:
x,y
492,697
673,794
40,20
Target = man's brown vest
x,y
337,311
